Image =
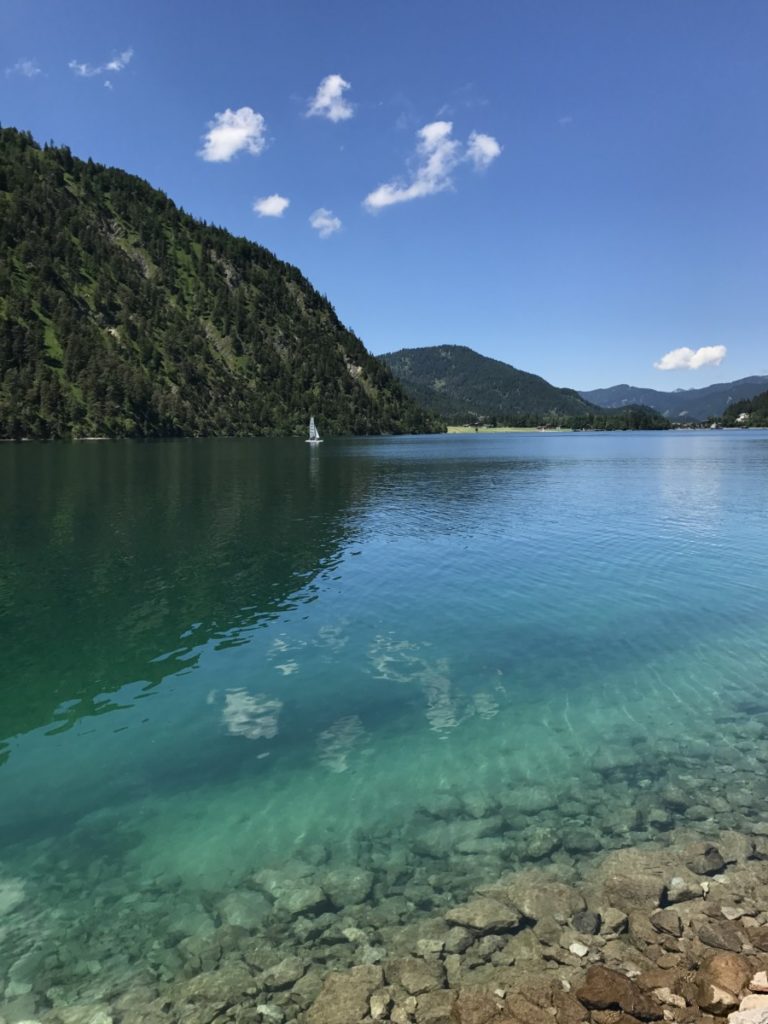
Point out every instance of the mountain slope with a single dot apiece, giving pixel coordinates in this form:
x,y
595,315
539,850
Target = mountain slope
x,y
121,315
458,382
463,386
690,406
750,412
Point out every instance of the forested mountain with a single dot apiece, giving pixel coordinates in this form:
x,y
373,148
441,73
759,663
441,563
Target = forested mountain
x,y
121,315
464,386
690,406
755,411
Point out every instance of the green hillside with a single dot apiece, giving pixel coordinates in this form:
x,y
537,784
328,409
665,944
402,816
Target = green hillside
x,y
121,315
463,386
751,412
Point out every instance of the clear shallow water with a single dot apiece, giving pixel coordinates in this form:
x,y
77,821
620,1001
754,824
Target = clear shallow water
x,y
221,655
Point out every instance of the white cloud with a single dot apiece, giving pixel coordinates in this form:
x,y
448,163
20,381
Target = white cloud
x,y
482,150
271,206
27,68
439,154
119,62
329,100
90,70
692,359
324,222
232,131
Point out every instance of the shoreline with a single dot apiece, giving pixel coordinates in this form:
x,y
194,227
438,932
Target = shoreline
x,y
509,430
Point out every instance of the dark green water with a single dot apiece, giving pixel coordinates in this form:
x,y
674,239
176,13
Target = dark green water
x,y
221,655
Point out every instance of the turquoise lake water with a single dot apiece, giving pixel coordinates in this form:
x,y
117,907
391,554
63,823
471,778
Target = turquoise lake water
x,y
221,656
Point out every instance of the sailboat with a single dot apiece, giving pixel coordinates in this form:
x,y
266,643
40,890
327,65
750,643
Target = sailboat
x,y
314,435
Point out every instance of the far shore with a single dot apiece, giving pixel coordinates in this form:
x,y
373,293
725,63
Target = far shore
x,y
509,430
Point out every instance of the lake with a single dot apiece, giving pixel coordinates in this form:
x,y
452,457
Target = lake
x,y
248,682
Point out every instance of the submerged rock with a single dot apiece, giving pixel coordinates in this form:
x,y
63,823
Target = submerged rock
x,y
581,840
477,1006
537,896
347,886
12,895
604,989
440,840
436,1007
484,914
530,800
668,921
305,899
705,859
722,935
538,843
414,974
681,889
614,921
244,909
285,973
587,922
345,996
628,892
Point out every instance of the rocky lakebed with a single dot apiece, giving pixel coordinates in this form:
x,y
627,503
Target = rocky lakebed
x,y
626,899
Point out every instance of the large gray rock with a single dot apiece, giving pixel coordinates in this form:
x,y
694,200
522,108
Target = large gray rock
x,y
614,921
668,921
189,919
220,988
304,899
244,909
681,889
536,896
484,914
414,974
581,840
347,886
634,892
345,996
538,843
436,1007
441,840
276,881
587,922
285,973
722,935
530,800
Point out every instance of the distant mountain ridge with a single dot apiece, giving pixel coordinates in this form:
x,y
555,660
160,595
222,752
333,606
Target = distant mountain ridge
x,y
463,386
691,406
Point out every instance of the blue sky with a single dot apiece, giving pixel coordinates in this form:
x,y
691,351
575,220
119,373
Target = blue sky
x,y
598,201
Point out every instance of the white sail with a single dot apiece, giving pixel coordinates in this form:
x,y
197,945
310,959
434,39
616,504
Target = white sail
x,y
314,433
